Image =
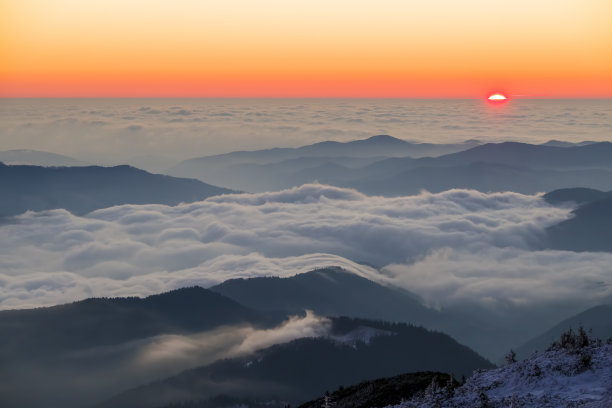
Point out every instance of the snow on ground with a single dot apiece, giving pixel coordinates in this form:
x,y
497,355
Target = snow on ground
x,y
553,379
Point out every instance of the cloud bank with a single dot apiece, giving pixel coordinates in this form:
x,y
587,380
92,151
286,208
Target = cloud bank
x,y
156,134
448,247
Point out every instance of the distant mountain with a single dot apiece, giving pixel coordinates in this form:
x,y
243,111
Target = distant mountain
x,y
258,170
84,189
294,372
597,319
382,145
596,155
577,195
590,228
512,166
106,321
481,176
561,143
37,158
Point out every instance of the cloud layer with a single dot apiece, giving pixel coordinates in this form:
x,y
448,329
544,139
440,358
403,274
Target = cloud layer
x,y
433,244
157,134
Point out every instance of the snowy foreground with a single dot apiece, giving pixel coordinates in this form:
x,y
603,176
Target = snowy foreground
x,y
557,378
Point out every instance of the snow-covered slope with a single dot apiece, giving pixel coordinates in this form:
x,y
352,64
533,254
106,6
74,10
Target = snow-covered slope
x,y
553,379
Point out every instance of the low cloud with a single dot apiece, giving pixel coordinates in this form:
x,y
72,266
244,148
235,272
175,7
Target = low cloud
x,y
55,256
453,247
122,366
177,352
508,277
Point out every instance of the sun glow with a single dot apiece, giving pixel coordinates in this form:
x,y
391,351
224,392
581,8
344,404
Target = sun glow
x,y
497,97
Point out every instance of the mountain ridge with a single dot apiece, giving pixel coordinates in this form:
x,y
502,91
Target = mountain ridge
x,y
84,189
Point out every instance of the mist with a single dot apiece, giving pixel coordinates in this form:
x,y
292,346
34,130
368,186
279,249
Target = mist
x,y
87,376
156,134
451,248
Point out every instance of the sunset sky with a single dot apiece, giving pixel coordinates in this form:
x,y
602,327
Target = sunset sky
x,y
314,48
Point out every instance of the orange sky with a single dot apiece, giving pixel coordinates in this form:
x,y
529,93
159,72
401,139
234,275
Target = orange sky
x,y
338,48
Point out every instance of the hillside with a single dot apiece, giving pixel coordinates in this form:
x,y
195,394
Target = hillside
x,y
335,292
114,343
329,292
103,321
354,351
380,392
558,378
590,228
84,189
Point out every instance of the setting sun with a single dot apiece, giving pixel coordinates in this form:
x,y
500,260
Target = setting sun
x,y
497,97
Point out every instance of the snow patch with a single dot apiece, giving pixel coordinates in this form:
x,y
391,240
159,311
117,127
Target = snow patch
x,y
553,379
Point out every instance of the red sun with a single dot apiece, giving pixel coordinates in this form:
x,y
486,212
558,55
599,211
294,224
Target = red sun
x,y
497,97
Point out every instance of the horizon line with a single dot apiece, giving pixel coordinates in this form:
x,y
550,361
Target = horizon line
x,y
511,97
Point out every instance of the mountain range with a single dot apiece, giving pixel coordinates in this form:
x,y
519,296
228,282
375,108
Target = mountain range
x,y
293,372
120,343
105,341
84,189
37,158
203,345
389,166
335,292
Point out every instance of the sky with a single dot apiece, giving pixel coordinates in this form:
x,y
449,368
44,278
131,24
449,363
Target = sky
x,y
315,48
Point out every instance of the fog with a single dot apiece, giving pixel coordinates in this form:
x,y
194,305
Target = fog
x,y
449,248
90,375
157,133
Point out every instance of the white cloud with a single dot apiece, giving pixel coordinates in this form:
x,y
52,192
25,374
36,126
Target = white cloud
x,y
447,247
223,342
498,277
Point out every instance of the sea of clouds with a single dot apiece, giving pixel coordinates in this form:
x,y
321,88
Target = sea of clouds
x,y
450,247
156,134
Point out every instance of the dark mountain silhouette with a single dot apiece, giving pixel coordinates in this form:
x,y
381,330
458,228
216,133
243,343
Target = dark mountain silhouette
x,y
375,146
335,292
590,228
382,392
596,155
597,320
37,158
259,170
505,166
84,189
382,145
329,292
577,195
481,176
304,369
105,321
79,353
